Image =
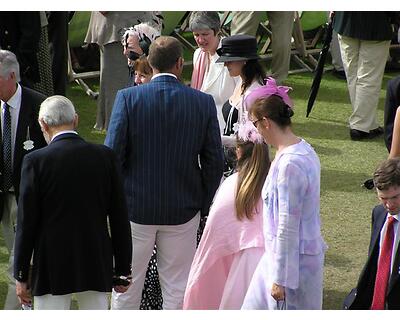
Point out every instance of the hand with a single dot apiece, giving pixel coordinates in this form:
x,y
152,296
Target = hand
x,y
23,293
277,292
121,288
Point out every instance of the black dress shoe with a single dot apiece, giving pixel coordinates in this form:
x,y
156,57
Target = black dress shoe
x,y
376,132
360,135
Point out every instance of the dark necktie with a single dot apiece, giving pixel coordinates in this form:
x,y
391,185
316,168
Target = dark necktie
x,y
7,167
384,264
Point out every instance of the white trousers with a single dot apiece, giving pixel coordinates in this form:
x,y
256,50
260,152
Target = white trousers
x,y
246,22
8,224
364,63
176,246
87,300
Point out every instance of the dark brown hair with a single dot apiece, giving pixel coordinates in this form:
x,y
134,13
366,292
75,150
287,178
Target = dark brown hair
x,y
274,108
252,70
164,52
387,174
252,166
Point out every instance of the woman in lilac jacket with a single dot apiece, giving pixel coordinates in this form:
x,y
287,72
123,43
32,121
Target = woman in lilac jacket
x,y
290,273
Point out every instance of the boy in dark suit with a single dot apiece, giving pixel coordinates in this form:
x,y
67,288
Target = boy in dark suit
x,y
378,287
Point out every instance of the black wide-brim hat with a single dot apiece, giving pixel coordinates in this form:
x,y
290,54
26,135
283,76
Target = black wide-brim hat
x,y
238,48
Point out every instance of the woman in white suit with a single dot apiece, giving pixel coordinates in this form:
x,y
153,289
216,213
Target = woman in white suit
x,y
208,76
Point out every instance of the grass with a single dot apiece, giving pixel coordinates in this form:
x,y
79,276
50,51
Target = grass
x,y
345,205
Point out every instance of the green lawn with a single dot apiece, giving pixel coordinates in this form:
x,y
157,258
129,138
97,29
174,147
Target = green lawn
x,y
345,205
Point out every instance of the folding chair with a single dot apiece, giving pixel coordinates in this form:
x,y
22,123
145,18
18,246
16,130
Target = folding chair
x,y
76,35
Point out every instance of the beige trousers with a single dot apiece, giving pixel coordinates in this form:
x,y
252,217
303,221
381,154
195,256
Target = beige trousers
x,y
176,246
246,22
364,63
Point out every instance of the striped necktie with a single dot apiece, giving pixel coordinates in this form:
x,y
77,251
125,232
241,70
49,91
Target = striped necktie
x,y
384,264
7,167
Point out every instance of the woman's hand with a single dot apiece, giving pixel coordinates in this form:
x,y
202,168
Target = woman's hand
x,y
277,292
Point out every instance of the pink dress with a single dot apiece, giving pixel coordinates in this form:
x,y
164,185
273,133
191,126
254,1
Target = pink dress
x,y
227,256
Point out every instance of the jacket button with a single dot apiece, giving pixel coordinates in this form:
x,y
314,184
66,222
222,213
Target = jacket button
x,y
6,32
8,47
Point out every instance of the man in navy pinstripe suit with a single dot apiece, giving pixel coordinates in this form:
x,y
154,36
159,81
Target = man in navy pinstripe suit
x,y
166,136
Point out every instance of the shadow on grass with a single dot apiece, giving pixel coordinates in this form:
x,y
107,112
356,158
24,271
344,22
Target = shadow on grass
x,y
336,260
344,181
326,151
321,130
333,299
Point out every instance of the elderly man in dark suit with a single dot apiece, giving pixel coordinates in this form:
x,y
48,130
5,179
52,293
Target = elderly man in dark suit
x,y
72,216
379,283
20,134
166,136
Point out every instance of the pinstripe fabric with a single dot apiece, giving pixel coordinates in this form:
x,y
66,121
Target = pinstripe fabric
x,y
166,136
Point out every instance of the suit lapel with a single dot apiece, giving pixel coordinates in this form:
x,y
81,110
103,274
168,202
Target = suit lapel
x,y
25,114
379,218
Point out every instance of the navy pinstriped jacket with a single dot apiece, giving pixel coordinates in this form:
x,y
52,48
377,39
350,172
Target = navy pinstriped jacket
x,y
167,139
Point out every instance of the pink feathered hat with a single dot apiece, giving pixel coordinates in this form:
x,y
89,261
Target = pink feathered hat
x,y
247,131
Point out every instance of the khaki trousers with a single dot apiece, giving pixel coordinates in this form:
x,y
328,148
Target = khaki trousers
x,y
246,22
364,63
176,246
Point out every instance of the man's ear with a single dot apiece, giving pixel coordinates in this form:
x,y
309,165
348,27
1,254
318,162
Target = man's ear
x,y
179,63
76,121
43,125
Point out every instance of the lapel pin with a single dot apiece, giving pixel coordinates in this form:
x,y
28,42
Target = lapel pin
x,y
28,144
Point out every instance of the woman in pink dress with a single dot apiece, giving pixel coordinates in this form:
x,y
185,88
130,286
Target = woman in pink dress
x,y
232,242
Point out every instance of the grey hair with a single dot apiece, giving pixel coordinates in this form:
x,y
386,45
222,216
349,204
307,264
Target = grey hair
x,y
204,20
57,111
9,64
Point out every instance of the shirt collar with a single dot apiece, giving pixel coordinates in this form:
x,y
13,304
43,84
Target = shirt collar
x,y
63,132
15,100
164,74
396,216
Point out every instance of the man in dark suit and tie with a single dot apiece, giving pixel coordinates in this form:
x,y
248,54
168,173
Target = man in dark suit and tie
x,y
72,217
166,136
379,283
20,134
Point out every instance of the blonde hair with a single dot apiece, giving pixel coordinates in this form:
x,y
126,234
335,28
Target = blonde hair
x,y
253,166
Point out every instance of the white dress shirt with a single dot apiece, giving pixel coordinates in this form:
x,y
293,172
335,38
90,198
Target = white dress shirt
x,y
15,105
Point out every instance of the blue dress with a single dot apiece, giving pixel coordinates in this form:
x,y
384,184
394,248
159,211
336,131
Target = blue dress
x,y
294,248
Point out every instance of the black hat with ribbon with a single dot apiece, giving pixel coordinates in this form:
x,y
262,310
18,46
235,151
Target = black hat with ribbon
x,y
238,48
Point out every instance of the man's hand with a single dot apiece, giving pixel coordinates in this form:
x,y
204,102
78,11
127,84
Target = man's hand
x,y
23,293
118,286
277,292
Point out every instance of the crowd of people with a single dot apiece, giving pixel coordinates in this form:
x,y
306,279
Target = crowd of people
x,y
182,207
